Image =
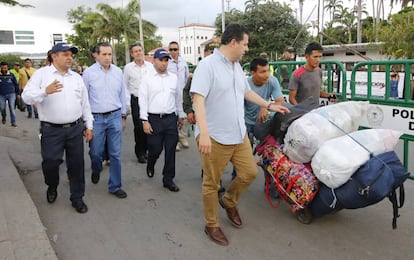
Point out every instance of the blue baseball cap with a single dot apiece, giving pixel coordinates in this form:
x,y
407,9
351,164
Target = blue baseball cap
x,y
63,46
161,53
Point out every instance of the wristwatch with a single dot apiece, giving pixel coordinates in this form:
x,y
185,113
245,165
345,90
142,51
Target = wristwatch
x,y
268,106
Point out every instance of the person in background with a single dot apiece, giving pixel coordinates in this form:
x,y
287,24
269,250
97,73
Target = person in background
x,y
395,78
160,106
65,117
266,57
106,88
133,74
219,88
9,91
288,55
79,69
306,81
178,66
15,70
24,75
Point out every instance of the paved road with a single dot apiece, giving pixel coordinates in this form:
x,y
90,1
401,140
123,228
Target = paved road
x,y
154,223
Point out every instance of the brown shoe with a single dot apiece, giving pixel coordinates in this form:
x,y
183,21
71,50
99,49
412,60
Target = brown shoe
x,y
215,234
232,214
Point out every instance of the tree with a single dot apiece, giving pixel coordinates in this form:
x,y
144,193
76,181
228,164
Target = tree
x,y
333,6
115,25
398,34
346,17
272,26
251,5
14,3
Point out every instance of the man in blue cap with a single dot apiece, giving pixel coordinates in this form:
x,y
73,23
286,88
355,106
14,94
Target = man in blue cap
x,y
65,117
160,103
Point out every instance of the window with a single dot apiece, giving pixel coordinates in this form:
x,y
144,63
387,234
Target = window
x,y
6,37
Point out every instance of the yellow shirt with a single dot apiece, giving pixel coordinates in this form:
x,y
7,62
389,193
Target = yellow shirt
x,y
24,77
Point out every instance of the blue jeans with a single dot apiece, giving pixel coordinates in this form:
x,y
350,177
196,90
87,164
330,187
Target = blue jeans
x,y
11,98
109,128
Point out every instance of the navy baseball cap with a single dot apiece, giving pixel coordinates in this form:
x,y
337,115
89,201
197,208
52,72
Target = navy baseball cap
x,y
161,53
63,46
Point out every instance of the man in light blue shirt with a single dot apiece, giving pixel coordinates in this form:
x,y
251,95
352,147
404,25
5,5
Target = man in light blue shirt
x,y
106,88
219,88
267,87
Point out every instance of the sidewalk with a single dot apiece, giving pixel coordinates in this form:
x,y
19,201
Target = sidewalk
x,y
22,234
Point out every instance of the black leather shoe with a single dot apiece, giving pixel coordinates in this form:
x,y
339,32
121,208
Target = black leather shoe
x,y
120,194
51,195
141,159
172,187
150,171
95,178
80,206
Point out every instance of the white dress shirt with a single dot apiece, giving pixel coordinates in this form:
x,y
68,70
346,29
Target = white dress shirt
x,y
133,74
61,107
159,94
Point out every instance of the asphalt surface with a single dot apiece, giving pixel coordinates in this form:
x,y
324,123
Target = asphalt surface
x,y
154,223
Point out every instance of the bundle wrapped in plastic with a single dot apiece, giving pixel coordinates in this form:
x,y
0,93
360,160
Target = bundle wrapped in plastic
x,y
308,133
339,158
294,182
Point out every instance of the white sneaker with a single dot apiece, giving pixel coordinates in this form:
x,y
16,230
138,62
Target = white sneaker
x,y
184,142
178,147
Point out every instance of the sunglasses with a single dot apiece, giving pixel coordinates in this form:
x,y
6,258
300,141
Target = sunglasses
x,y
173,49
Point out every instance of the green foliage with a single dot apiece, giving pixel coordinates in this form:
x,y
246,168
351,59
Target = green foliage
x,y
10,59
14,3
119,26
398,34
271,25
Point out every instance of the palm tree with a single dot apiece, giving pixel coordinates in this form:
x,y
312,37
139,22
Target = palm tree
x,y
404,3
119,25
347,18
333,6
14,3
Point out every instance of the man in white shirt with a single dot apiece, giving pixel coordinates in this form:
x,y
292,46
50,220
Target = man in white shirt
x,y
65,116
133,73
160,104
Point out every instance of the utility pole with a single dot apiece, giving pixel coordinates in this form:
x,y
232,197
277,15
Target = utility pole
x,y
223,19
141,33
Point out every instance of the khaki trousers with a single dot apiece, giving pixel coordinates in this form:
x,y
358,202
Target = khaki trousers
x,y
241,157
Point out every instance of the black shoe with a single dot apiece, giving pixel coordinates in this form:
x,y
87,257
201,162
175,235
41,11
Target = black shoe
x,y
150,171
141,159
13,125
172,187
29,116
80,206
51,195
95,178
37,116
120,194
3,121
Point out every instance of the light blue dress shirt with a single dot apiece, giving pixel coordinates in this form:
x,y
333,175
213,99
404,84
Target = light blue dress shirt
x,y
223,85
106,88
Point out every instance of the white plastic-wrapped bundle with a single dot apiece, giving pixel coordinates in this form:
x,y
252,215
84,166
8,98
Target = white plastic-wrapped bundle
x,y
338,159
306,134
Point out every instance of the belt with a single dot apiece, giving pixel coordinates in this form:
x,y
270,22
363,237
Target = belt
x,y
47,124
161,115
106,113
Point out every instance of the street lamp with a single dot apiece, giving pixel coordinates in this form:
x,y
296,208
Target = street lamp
x,y
141,33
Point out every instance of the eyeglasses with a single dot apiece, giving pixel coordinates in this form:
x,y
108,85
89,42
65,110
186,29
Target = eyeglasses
x,y
173,49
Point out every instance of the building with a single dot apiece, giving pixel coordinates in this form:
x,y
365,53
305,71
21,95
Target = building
x,y
348,53
191,37
28,43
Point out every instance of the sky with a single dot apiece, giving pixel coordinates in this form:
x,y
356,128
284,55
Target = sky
x,y
51,15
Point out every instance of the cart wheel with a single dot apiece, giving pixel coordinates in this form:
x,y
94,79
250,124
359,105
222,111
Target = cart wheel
x,y
304,216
